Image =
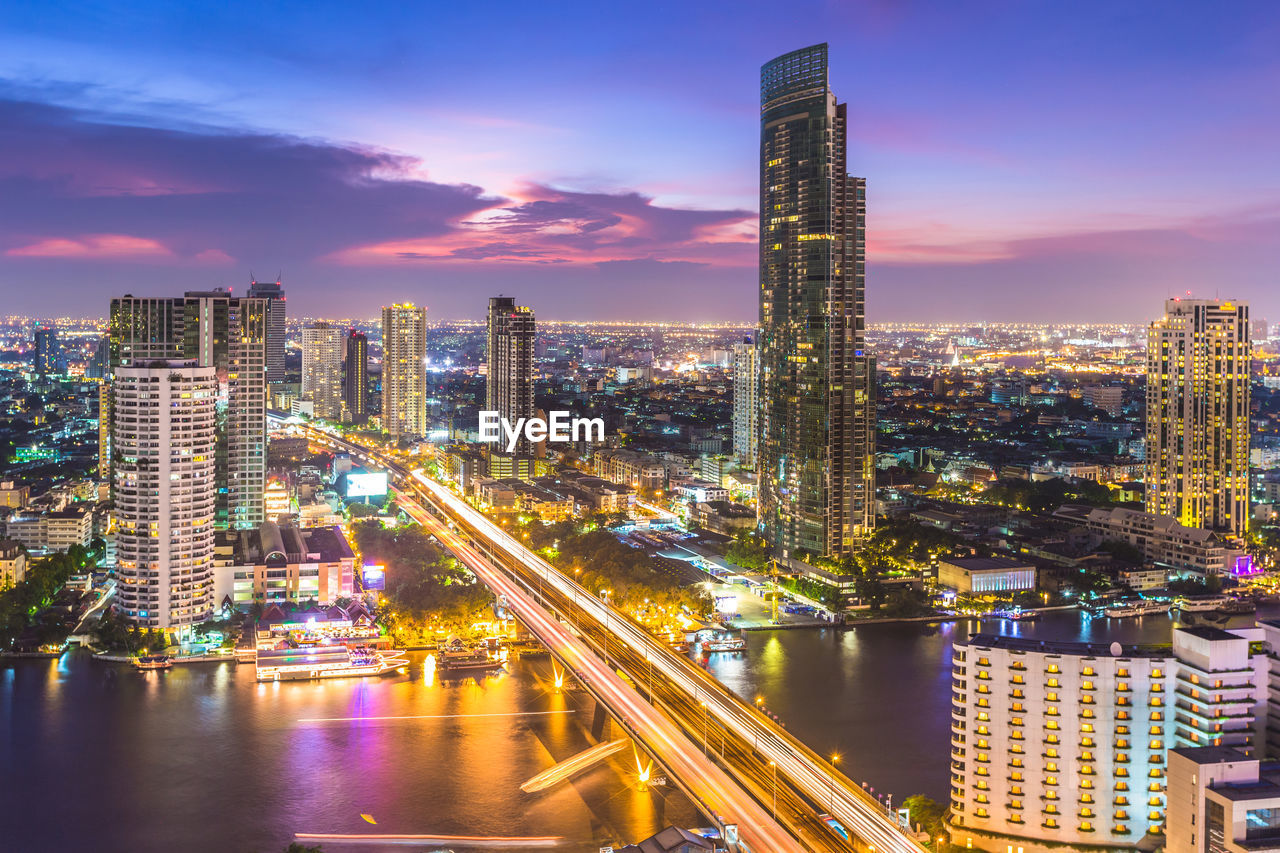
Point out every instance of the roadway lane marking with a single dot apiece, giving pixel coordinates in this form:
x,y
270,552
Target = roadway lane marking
x,y
432,717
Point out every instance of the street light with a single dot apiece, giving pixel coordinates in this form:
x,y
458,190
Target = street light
x,y
831,782
774,767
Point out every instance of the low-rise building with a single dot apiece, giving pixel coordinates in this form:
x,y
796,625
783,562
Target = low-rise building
x,y
1222,800
276,563
13,563
53,530
986,575
1160,538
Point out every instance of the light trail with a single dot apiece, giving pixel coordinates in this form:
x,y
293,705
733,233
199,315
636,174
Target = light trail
x,y
472,841
856,810
574,765
433,716
720,797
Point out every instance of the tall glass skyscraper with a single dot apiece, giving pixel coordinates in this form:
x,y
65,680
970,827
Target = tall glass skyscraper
x,y
508,387
817,383
355,377
276,309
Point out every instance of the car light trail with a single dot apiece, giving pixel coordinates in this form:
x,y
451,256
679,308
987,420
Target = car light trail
x,y
432,716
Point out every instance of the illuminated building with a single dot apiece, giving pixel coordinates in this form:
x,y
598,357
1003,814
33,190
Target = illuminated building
x,y
1222,800
355,377
164,470
227,333
986,575
47,350
277,500
276,310
1056,744
281,562
404,370
1197,449
508,387
817,409
746,378
322,369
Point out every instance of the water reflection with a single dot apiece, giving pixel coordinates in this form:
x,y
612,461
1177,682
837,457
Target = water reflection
x,y
205,758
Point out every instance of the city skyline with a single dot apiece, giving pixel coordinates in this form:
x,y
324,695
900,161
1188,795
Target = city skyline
x,y
1056,191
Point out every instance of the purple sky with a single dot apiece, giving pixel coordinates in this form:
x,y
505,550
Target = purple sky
x,y
1026,160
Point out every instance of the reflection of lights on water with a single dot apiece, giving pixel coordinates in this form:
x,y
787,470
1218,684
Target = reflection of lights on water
x,y
559,675
429,670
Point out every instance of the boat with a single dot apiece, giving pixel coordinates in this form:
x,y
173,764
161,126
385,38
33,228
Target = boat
x,y
153,662
461,659
1140,607
326,662
1200,603
1239,606
725,644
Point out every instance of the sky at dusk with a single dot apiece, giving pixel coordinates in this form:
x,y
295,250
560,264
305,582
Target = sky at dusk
x,y
1025,160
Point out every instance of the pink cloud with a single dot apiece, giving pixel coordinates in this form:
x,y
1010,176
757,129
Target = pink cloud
x,y
214,256
92,246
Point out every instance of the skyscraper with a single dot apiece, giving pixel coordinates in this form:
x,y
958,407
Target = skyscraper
x,y
165,448
322,369
404,370
817,383
745,402
508,388
1197,453
276,309
47,350
355,378
227,333
100,365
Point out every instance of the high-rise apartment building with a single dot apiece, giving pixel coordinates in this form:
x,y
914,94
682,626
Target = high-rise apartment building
x,y
276,310
1067,744
44,359
746,373
1198,396
227,333
322,369
404,370
817,382
508,388
165,445
355,377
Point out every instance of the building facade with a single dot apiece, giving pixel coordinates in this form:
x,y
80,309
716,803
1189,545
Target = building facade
x,y
1198,397
229,334
1222,801
47,350
276,315
746,400
404,370
508,387
322,347
1056,744
817,409
164,468
355,378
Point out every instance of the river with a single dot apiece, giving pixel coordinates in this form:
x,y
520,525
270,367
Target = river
x,y
203,758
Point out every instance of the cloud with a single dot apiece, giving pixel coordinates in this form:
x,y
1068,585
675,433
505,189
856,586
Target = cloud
x,y
92,247
546,224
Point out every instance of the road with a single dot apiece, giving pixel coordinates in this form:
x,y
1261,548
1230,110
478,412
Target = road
x,y
753,741
717,794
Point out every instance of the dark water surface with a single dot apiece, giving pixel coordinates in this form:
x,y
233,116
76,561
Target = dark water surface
x,y
203,758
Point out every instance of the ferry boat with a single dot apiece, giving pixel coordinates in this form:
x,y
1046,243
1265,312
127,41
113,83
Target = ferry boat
x,y
725,644
1238,606
326,662
460,659
1141,607
1201,603
153,662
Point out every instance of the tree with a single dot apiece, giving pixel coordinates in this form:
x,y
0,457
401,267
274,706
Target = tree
x,y
927,814
748,551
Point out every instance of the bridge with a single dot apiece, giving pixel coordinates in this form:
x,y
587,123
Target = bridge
x,y
790,788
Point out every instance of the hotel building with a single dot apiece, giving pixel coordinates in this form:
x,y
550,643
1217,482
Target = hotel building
x,y
1197,449
817,382
164,469
404,370
508,387
1067,743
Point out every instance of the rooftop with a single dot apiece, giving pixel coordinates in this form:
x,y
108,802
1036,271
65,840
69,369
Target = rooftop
x,y
1027,644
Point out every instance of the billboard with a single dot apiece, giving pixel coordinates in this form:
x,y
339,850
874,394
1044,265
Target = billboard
x,y
373,577
366,485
